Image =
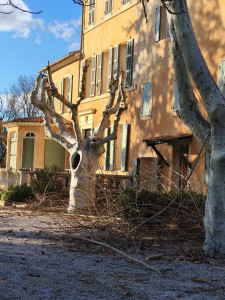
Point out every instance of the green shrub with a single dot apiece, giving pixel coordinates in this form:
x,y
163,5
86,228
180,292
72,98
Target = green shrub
x,y
13,196
145,203
24,190
46,180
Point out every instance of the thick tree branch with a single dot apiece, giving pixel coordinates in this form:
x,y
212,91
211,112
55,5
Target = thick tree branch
x,y
195,63
64,138
188,110
118,108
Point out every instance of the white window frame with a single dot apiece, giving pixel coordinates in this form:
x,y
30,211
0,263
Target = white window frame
x,y
93,75
91,14
108,7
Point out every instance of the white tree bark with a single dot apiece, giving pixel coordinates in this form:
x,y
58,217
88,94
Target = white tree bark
x,y
84,153
188,61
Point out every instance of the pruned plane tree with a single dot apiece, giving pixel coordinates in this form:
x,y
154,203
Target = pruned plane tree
x,y
84,152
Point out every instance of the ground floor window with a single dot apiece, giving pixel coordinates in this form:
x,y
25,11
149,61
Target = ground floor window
x,y
28,151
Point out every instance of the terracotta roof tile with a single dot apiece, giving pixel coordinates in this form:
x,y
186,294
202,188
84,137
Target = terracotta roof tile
x,y
39,119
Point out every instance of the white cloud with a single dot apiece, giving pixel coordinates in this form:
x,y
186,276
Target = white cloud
x,y
38,40
73,47
19,22
64,30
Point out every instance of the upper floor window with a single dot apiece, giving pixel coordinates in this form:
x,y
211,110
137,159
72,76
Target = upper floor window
x,y
125,2
161,24
129,63
91,12
66,91
108,7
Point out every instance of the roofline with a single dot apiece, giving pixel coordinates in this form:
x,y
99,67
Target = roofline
x,y
73,54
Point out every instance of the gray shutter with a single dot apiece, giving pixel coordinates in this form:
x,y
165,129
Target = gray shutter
x,y
176,97
93,74
222,74
70,90
108,7
111,152
99,80
129,63
115,62
124,147
146,99
62,89
157,23
136,168
54,98
106,151
109,69
91,12
207,168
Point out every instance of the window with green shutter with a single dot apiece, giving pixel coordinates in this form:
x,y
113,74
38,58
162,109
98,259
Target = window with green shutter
x,y
108,7
157,23
54,98
125,2
207,168
146,100
93,74
176,97
109,69
129,63
106,153
115,62
111,152
124,147
99,78
70,87
28,151
222,76
62,91
91,19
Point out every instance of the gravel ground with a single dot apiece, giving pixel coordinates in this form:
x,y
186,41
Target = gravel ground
x,y
35,263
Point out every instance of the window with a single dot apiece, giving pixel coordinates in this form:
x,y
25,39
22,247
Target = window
x,y
109,69
91,12
129,63
146,99
28,151
108,7
115,62
12,161
161,24
93,73
99,78
125,2
66,91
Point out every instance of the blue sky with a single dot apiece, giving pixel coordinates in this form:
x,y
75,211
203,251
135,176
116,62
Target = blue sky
x,y
29,41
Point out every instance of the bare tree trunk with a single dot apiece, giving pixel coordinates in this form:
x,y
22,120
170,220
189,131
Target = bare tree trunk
x,y
84,163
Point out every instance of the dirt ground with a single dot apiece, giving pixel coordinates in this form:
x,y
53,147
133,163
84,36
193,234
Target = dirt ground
x,y
37,262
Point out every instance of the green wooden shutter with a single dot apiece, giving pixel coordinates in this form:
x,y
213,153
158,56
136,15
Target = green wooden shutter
x,y
91,19
129,63
106,151
157,23
146,99
109,69
54,154
93,74
28,153
176,97
99,79
111,152
62,89
124,147
222,74
54,98
12,161
115,62
70,90
207,168
108,7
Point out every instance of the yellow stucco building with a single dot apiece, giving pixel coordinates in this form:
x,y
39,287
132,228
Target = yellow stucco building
x,y
152,141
